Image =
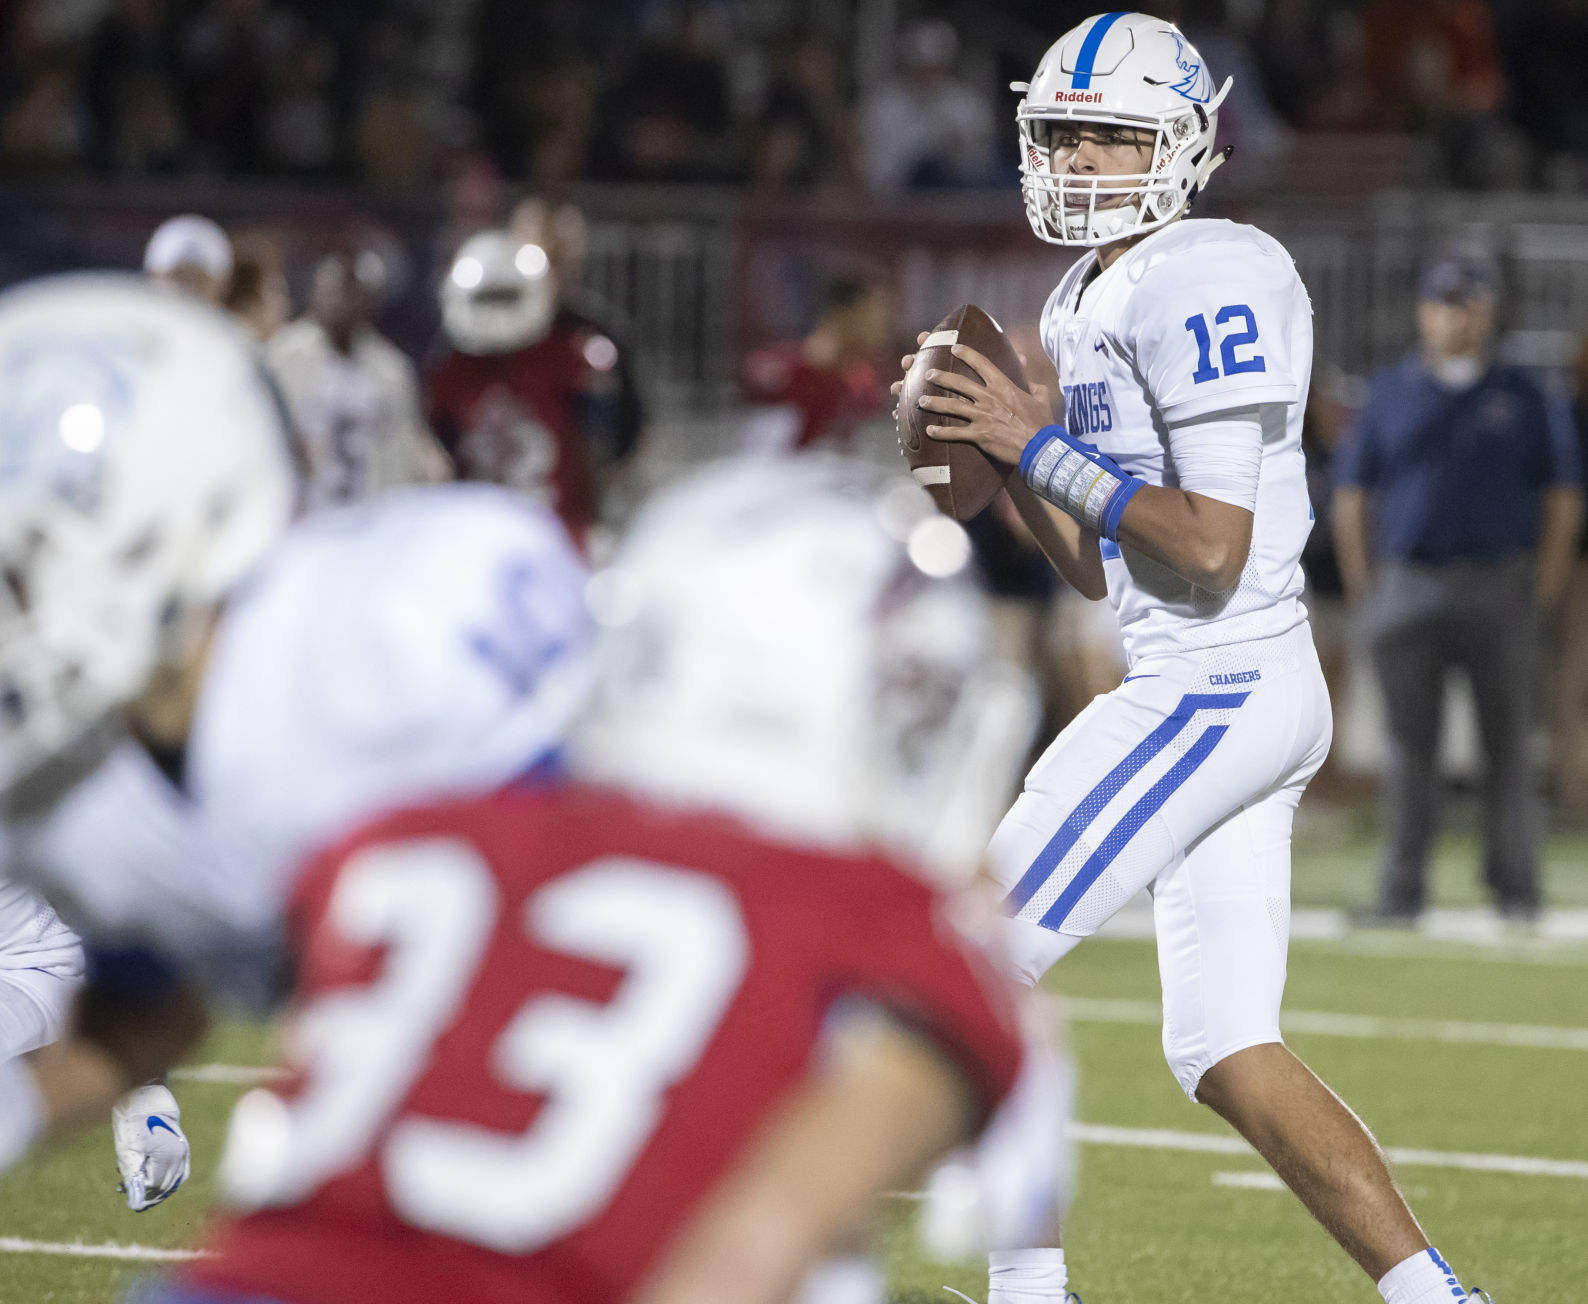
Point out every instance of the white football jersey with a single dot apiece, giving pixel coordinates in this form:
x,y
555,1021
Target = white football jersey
x,y
32,935
428,643
359,414
1199,318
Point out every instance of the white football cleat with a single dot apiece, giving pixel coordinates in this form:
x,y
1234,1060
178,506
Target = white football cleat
x,y
151,1148
1070,1297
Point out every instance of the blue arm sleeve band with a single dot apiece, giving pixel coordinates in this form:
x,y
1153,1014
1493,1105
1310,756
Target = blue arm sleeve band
x,y
1074,476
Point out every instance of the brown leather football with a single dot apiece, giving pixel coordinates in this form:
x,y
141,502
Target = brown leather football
x,y
960,477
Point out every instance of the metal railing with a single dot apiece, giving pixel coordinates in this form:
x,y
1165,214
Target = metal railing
x,y
703,275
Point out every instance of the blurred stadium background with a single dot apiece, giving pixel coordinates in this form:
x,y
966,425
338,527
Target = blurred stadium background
x,y
727,171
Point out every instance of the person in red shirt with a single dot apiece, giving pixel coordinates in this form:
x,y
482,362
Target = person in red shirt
x,y
664,1033
526,396
824,386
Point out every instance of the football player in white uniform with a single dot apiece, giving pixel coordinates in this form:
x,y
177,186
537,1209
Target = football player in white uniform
x,y
195,695
1176,487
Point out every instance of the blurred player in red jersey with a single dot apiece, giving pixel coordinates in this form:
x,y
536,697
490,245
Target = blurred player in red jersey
x,y
662,1035
818,390
528,396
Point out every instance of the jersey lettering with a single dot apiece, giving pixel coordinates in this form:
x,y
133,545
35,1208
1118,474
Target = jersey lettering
x,y
1086,409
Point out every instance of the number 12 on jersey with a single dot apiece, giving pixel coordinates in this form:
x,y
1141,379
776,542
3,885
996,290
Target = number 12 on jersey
x,y
1197,324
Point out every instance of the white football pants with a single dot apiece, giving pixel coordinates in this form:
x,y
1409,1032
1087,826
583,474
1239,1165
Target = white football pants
x,y
1183,780
41,967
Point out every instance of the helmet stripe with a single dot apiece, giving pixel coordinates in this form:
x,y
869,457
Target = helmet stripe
x,y
1082,77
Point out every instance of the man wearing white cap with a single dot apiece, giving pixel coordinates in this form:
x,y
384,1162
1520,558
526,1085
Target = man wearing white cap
x,y
192,253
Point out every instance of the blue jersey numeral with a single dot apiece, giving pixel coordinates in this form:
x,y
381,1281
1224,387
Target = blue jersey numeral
x,y
520,646
1233,366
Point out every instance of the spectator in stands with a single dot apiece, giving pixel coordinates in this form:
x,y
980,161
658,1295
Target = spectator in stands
x,y
1457,514
226,49
1434,66
818,390
668,117
395,134
133,81
804,136
353,395
1547,52
45,127
926,128
299,130
192,253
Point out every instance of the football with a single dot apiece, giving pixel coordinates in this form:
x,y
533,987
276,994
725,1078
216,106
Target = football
x,y
960,477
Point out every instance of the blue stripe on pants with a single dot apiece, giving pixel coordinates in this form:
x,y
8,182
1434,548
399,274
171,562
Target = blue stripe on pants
x,y
1128,827
1050,857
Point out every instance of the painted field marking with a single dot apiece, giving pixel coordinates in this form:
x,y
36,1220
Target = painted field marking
x,y
1362,1026
1207,1143
1250,1181
1559,938
109,1250
229,1075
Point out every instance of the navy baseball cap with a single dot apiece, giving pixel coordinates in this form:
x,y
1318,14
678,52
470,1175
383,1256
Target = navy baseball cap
x,y
1458,278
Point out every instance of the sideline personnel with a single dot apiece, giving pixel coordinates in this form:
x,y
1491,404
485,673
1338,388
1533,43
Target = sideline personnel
x,y
1456,513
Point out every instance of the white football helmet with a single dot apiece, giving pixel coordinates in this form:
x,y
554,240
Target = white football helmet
x,y
798,642
1122,70
144,468
499,295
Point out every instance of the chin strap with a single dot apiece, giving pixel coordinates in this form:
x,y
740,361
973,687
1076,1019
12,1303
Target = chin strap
x,y
1214,163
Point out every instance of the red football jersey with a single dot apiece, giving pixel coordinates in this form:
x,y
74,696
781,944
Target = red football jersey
x,y
831,401
532,1032
520,419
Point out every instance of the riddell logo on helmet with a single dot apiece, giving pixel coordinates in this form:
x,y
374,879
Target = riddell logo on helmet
x,y
1078,97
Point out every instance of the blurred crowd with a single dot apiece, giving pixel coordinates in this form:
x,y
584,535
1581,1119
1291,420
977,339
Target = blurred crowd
x,y
399,93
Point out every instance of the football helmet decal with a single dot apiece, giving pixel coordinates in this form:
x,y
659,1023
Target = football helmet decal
x,y
1134,73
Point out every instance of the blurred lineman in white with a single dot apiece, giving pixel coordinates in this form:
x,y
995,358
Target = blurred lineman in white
x,y
1176,487
167,764
766,652
353,394
192,253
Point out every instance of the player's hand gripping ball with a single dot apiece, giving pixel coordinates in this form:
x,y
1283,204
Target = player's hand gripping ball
x,y
961,478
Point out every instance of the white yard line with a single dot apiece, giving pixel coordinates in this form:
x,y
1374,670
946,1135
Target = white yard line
x,y
1365,1026
1250,1181
109,1250
1208,1143
230,1075
1560,937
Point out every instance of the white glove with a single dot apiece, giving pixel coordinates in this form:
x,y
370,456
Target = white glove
x,y
151,1148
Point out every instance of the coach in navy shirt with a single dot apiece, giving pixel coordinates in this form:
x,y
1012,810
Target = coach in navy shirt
x,y
1456,512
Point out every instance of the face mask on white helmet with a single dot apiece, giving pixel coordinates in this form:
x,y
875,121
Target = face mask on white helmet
x,y
1116,79
798,643
499,295
144,470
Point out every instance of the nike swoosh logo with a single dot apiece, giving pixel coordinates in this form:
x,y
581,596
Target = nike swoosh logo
x,y
1098,347
154,1121
1128,678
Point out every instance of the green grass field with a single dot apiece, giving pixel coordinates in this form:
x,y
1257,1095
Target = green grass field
x,y
1150,1225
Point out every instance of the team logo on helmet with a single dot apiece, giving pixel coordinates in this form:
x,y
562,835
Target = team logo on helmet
x,y
1196,85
